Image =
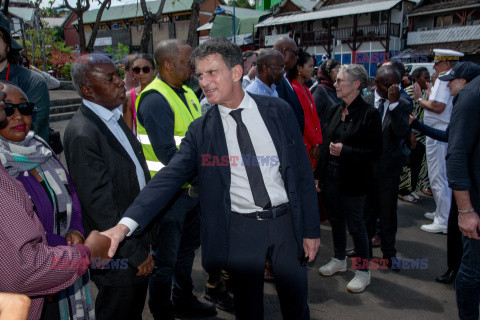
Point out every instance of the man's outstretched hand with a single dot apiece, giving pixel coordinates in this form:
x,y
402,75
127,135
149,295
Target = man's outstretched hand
x,y
116,235
98,245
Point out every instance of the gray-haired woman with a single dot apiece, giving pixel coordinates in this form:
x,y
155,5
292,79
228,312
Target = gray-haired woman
x,y
353,138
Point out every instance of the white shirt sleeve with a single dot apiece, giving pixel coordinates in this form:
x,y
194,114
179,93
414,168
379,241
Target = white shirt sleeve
x,y
131,224
440,92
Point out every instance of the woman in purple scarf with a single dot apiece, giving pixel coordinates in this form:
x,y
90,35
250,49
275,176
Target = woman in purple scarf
x,y
30,160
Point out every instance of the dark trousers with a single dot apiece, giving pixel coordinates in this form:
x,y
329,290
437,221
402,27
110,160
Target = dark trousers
x,y
467,282
416,158
177,238
120,302
251,241
454,239
345,211
382,203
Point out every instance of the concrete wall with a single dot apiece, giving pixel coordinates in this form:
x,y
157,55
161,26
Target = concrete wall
x,y
159,33
181,29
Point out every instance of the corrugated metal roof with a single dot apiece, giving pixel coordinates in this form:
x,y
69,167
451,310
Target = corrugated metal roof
x,y
306,5
332,11
455,34
223,26
442,5
26,14
54,22
467,47
244,13
131,11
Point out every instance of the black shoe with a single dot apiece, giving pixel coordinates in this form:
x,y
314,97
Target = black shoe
x,y
448,277
194,308
351,253
223,300
391,266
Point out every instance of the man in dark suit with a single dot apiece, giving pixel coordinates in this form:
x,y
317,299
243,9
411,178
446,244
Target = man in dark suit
x,y
382,200
288,48
108,170
257,193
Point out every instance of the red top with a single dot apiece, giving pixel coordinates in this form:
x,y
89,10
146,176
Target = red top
x,y
312,135
133,96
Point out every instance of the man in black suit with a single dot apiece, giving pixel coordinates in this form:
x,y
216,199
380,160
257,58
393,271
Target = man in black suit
x,y
288,48
257,193
108,170
382,200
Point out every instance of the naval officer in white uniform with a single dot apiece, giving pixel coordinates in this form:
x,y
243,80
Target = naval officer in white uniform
x,y
438,109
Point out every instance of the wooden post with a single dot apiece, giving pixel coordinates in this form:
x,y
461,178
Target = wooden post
x,y
387,40
354,46
329,45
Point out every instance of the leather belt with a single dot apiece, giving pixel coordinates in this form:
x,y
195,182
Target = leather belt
x,y
271,213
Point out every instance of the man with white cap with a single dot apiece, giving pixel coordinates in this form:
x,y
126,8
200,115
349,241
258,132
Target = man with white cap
x,y
438,109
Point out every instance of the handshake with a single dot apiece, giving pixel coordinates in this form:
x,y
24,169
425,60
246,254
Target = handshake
x,y
104,245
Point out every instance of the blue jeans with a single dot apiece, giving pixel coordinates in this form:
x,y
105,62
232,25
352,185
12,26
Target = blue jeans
x,y
177,238
467,283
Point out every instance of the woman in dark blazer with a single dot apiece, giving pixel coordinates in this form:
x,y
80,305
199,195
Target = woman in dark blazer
x,y
353,139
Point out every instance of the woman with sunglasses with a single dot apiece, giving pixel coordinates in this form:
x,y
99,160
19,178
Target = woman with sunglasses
x,y
29,159
143,69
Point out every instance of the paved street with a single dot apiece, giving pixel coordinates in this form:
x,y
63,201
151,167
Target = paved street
x,y
409,294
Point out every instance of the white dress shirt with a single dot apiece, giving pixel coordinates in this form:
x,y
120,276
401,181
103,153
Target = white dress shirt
x,y
441,93
387,104
240,191
110,118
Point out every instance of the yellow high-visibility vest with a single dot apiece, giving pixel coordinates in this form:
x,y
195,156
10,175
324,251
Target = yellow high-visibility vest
x,y
183,118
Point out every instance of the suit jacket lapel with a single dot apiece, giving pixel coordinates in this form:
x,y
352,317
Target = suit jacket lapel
x,y
136,146
113,141
270,117
216,136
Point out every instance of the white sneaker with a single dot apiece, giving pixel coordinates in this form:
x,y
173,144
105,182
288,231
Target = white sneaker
x,y
333,266
434,228
429,215
360,282
415,195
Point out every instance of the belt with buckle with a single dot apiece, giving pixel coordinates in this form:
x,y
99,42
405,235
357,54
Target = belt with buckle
x,y
267,214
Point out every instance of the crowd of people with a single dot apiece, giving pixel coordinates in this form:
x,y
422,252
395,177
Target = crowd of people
x,y
248,170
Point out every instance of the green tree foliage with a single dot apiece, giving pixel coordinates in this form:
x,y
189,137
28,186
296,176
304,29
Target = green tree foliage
x,y
57,53
117,56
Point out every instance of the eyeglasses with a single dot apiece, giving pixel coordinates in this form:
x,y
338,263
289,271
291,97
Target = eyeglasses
x,y
339,80
145,69
282,68
25,108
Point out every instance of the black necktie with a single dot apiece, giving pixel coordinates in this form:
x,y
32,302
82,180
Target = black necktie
x,y
254,175
381,108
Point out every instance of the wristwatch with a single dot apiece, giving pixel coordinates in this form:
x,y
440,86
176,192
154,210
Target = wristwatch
x,y
420,99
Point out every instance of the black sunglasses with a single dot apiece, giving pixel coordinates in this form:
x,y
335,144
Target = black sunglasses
x,y
145,69
25,108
